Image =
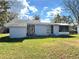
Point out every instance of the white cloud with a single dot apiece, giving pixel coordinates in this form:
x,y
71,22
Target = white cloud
x,y
54,12
22,7
51,13
27,7
57,10
28,17
45,8
47,20
33,9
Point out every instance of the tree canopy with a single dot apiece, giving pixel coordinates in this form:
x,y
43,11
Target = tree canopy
x,y
5,15
62,19
36,17
73,7
4,6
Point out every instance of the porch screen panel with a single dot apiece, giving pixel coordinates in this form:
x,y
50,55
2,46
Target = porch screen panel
x,y
63,28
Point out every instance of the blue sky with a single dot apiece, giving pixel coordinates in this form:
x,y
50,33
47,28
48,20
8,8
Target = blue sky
x,y
44,3
46,9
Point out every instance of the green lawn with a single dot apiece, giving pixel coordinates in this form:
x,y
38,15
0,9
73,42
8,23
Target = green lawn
x,y
39,48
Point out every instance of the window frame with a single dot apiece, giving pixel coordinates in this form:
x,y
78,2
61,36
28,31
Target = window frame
x,y
63,28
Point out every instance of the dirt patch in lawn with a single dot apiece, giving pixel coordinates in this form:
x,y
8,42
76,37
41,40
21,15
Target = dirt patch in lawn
x,y
73,43
47,45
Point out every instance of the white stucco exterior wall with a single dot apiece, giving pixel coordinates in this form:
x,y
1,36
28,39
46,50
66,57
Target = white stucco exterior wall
x,y
46,30
42,30
78,29
17,32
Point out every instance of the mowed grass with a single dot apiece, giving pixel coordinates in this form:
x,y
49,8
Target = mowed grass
x,y
39,48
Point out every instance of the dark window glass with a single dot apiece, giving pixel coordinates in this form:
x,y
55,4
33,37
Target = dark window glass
x,y
52,29
63,28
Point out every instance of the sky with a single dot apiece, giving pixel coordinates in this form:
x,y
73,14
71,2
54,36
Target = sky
x,y
46,9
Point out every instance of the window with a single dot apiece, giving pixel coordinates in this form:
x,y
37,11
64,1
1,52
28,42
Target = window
x,y
63,28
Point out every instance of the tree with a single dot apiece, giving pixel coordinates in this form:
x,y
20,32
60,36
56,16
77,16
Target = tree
x,y
5,15
59,19
73,7
36,17
62,19
4,6
11,16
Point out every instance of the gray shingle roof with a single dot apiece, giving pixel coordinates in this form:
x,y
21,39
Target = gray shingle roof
x,y
23,23
15,23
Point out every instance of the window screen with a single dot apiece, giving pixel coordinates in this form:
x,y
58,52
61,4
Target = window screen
x,y
63,28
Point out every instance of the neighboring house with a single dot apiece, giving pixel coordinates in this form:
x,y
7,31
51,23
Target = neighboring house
x,y
23,28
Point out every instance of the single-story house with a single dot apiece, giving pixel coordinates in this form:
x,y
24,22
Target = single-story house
x,y
24,28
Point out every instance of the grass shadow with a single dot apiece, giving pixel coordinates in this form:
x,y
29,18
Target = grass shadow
x,y
43,37
8,39
64,36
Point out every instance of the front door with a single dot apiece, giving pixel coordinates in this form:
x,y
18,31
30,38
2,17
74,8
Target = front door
x,y
51,29
30,30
